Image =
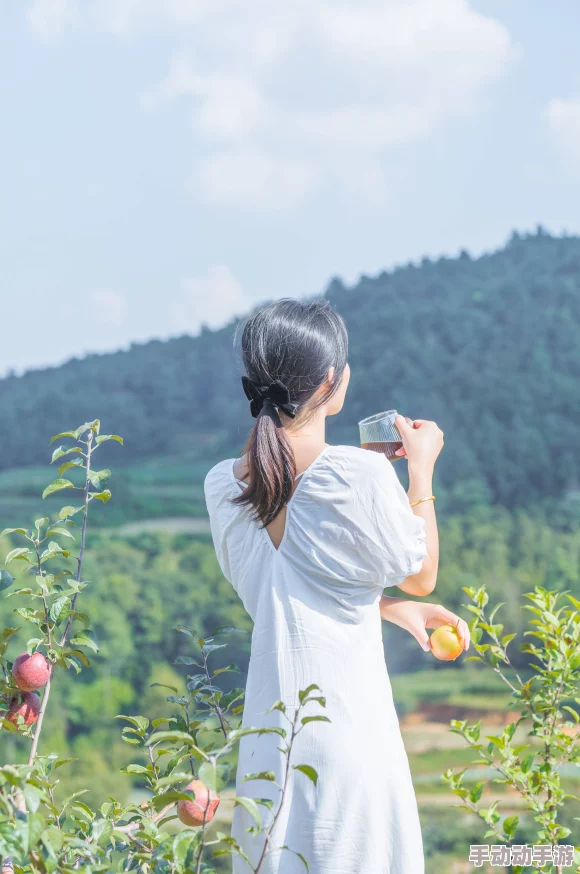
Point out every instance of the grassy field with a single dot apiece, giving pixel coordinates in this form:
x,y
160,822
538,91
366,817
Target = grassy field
x,y
169,487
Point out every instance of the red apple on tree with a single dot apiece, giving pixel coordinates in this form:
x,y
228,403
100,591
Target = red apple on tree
x,y
30,672
200,811
26,705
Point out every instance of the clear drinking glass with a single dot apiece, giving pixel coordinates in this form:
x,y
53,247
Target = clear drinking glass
x,y
380,434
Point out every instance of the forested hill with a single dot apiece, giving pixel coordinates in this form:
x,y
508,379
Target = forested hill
x,y
489,347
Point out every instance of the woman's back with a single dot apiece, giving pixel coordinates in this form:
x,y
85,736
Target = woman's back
x,y
349,532
309,541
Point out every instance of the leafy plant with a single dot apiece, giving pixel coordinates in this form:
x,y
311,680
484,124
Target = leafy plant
x,y
184,758
544,706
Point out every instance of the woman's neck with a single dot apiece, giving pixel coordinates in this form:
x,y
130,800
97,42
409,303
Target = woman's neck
x,y
308,442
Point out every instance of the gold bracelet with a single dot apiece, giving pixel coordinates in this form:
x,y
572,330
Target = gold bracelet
x,y
420,501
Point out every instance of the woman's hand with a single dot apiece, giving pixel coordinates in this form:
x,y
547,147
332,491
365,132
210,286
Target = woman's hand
x,y
422,441
416,616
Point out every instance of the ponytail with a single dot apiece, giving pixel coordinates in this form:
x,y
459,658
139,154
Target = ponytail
x,y
288,348
272,466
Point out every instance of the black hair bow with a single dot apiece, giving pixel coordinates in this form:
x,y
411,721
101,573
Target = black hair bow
x,y
276,393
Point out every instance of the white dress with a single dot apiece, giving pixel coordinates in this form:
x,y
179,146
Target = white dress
x,y
349,533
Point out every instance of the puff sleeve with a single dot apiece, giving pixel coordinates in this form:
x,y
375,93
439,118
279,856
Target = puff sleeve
x,y
395,538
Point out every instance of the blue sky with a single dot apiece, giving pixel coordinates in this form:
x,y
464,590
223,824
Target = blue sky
x,y
167,163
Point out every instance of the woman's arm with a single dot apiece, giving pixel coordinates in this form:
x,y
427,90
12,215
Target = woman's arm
x,y
422,443
421,486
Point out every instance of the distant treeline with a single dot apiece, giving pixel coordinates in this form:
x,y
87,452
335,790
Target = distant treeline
x,y
489,347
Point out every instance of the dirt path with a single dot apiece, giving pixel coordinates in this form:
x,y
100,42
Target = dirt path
x,y
177,525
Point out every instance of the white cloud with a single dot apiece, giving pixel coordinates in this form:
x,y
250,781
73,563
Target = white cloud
x,y
48,19
209,300
303,94
254,180
293,96
227,107
109,307
564,122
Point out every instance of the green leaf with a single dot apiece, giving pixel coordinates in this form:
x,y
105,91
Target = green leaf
x,y
158,802
476,792
33,643
303,694
302,859
510,825
102,496
59,609
178,777
86,637
56,486
308,719
101,831
103,437
140,722
88,426
309,771
164,686
64,531
262,775
181,844
60,762
79,654
6,580
227,669
208,775
134,769
68,464
20,554
13,531
98,478
63,434
33,797
250,805
69,511
61,451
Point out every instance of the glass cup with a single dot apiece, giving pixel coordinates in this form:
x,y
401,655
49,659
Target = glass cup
x,y
380,434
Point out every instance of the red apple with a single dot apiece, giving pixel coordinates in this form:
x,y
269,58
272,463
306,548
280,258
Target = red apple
x,y
446,643
30,672
205,805
27,705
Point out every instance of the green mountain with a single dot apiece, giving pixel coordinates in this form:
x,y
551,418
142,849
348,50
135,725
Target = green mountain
x,y
488,347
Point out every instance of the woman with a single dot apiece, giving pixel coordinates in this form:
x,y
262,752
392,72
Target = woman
x,y
309,535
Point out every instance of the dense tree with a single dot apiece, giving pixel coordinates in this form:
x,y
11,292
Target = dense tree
x,y
489,347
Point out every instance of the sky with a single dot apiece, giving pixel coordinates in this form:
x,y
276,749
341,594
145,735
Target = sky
x,y
170,163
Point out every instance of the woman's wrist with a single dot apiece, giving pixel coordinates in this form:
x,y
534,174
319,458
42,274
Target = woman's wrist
x,y
420,480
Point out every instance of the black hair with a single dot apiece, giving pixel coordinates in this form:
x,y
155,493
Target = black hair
x,y
296,343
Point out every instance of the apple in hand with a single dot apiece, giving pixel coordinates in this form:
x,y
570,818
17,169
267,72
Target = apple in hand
x,y
446,643
206,802
27,705
30,672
